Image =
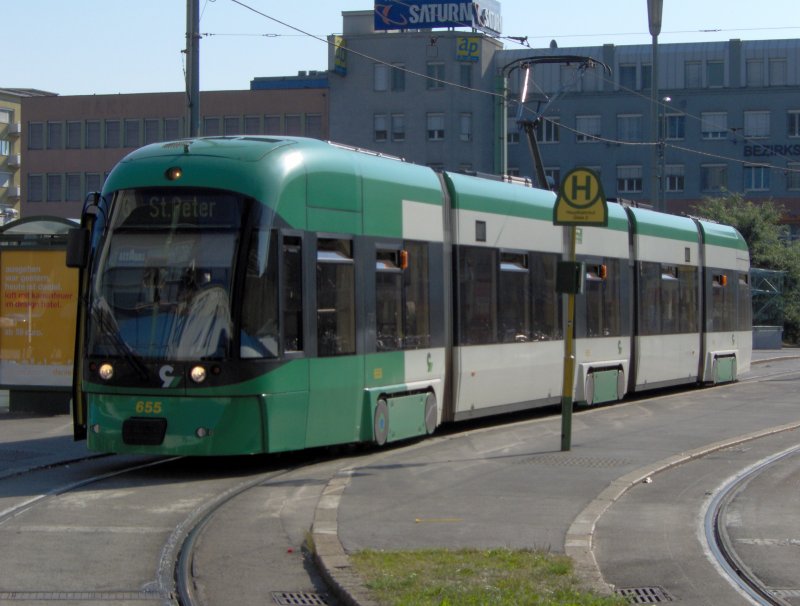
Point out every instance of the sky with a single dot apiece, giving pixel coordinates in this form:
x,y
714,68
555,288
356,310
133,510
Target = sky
x,y
83,47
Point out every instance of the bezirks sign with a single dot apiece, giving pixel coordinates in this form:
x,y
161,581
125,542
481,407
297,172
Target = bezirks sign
x,y
483,15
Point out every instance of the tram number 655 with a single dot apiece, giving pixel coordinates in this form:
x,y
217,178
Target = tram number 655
x,y
148,408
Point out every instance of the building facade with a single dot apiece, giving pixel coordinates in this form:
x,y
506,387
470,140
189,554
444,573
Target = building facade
x,y
727,113
11,156
71,143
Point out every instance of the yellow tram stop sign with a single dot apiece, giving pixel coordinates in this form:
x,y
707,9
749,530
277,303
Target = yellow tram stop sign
x,y
581,200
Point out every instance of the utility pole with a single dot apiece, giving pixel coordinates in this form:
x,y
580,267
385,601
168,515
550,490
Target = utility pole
x,y
193,67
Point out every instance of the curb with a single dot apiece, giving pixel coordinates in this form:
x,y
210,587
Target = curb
x,y
578,542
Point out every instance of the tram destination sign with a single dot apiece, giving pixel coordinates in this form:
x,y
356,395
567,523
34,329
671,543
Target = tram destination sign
x,y
482,15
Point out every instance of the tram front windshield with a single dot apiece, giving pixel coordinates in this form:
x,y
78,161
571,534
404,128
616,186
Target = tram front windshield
x,y
164,277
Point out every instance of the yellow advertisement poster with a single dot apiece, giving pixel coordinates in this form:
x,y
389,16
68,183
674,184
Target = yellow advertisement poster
x,y
39,297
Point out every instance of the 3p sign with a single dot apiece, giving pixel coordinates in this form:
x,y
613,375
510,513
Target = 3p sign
x,y
581,200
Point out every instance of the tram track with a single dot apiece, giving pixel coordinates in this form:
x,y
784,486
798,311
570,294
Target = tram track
x,y
43,514
721,547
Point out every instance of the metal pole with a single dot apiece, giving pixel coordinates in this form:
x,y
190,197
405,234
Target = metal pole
x,y
654,126
569,359
193,67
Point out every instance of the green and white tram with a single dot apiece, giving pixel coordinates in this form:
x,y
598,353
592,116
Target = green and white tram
x,y
257,294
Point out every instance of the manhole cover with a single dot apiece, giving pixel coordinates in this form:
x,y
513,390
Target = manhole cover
x,y
299,598
644,595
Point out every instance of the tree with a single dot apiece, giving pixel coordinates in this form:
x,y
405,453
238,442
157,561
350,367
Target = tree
x,y
769,243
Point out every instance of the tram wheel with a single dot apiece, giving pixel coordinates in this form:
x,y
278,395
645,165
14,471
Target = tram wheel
x,y
380,426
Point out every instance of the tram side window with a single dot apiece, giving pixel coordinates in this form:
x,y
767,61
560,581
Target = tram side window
x,y
744,303
546,308
649,298
260,306
292,289
417,314
687,311
670,299
723,302
515,298
477,289
603,299
336,325
388,300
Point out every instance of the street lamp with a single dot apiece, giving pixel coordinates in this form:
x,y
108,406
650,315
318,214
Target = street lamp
x,y
654,18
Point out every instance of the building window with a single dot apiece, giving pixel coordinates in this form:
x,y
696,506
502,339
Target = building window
x,y
55,191
714,125
314,126
715,74
5,116
692,74
252,125
55,135
435,124
74,135
793,176
756,178
647,77
756,124
547,130
777,72
629,127
629,179
92,134
398,127
793,122
151,131
211,127
398,77
35,188
5,178
36,135
293,125
465,127
5,149
713,177
172,129
113,134
754,72
380,73
232,125
94,182
272,125
588,128
675,126
465,74
380,127
674,179
74,193
553,176
627,77
435,73
132,133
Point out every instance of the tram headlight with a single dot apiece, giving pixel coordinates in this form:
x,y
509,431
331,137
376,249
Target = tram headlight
x,y
173,173
198,374
106,371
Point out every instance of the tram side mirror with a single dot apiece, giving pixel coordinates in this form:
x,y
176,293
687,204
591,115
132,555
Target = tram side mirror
x,y
77,247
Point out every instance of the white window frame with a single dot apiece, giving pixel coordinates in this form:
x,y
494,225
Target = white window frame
x,y
629,127
756,177
435,126
380,131
380,77
674,177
